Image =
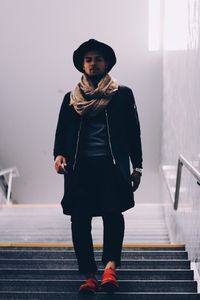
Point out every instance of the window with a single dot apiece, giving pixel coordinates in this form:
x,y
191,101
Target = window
x,y
177,20
175,29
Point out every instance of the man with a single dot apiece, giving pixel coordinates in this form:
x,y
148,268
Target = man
x,y
98,133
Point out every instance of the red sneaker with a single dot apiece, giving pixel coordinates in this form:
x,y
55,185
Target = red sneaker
x,y
109,281
89,287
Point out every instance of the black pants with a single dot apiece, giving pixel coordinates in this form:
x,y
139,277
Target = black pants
x,y
95,187
113,223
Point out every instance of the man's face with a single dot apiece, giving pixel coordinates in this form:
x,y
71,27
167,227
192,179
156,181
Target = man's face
x,y
94,64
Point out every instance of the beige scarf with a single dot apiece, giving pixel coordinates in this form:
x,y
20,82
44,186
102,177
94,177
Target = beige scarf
x,y
88,100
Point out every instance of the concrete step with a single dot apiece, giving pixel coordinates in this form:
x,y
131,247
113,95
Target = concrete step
x,y
123,274
98,296
99,229
70,254
65,247
188,286
71,263
96,240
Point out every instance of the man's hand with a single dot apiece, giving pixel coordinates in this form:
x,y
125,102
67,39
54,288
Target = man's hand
x,y
135,177
60,164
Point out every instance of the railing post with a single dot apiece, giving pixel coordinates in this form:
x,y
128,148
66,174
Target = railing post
x,y
11,172
178,183
9,187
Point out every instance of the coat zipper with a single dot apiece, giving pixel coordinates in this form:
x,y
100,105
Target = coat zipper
x,y
109,139
77,142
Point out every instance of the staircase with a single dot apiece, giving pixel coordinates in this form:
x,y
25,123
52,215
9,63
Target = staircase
x,y
145,224
151,269
148,272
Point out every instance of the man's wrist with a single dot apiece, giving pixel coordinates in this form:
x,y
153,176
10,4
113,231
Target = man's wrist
x,y
139,170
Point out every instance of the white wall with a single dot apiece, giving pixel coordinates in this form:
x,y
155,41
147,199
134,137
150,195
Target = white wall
x,y
181,120
181,88
37,41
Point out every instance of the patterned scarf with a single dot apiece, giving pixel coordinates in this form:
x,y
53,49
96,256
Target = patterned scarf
x,y
89,100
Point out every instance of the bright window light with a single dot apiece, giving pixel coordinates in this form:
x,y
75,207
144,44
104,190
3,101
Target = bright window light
x,y
154,25
176,24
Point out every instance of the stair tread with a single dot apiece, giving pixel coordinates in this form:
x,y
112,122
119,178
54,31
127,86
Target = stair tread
x,y
95,251
80,280
101,296
73,285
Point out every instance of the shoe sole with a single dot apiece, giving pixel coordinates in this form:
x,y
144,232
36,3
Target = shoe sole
x,y
86,291
109,287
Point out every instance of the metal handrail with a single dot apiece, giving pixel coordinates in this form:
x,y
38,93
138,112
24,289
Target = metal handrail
x,y
182,161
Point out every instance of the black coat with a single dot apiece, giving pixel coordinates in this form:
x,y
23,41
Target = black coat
x,y
124,130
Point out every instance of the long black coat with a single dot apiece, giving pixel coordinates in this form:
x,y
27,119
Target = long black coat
x,y
124,130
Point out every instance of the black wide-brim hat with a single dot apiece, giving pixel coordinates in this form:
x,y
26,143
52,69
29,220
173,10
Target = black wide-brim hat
x,y
94,45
